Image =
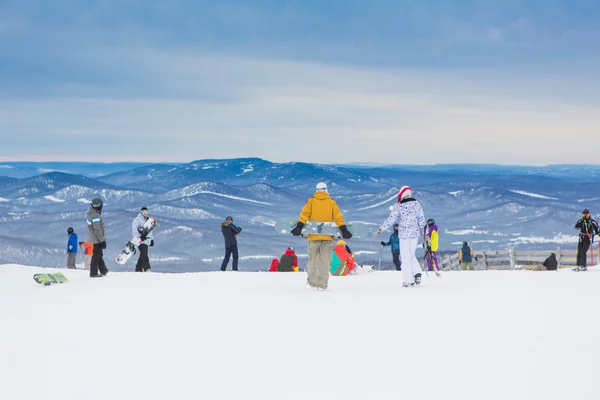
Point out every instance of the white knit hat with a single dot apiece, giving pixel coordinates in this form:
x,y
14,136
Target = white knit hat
x,y
405,191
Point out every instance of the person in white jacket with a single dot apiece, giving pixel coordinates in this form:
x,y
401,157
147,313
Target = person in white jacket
x,y
409,215
143,263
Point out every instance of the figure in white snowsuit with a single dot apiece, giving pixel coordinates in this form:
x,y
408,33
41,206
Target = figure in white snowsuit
x,y
409,215
143,264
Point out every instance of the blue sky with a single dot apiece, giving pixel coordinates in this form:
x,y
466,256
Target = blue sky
x,y
322,81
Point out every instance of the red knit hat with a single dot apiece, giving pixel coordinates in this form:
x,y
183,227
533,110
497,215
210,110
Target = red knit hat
x,y
405,191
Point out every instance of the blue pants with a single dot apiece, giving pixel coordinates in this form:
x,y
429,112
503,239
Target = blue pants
x,y
229,251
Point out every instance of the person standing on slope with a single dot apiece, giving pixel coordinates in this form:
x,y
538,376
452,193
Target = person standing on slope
x,y
97,236
137,226
587,229
88,250
71,248
395,243
409,215
230,231
431,246
465,257
321,208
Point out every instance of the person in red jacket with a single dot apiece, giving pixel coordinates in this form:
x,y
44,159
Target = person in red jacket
x,y
287,263
342,259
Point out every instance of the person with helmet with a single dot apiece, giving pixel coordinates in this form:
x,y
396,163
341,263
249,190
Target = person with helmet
x,y
465,257
587,229
287,263
342,260
97,236
320,207
230,231
143,263
409,215
431,246
394,242
71,248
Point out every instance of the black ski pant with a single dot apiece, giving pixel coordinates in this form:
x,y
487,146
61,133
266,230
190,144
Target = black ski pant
x,y
397,262
143,263
582,248
229,251
97,265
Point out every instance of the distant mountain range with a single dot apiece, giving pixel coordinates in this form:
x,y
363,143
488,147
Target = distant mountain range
x,y
489,205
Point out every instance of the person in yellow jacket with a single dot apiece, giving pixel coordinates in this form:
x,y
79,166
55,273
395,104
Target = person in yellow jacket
x,y
321,208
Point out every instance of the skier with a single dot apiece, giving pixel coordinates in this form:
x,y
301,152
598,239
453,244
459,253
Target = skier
x,y
287,263
97,236
230,231
431,246
342,260
587,229
320,208
394,242
466,256
88,252
145,241
71,248
411,221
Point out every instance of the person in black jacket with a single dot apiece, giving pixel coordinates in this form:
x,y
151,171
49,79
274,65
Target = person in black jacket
x,y
587,229
230,231
550,264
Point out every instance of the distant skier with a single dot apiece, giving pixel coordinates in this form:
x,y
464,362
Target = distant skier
x,y
409,215
431,246
320,207
587,229
394,242
87,253
230,231
97,236
71,249
465,257
137,226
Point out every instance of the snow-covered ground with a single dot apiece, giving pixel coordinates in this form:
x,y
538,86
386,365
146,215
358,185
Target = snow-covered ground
x,y
505,335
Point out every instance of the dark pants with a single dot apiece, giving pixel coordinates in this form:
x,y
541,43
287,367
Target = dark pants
x,y
143,263
230,250
582,248
397,262
97,264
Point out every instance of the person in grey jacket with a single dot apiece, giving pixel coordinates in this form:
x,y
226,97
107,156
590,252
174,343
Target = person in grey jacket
x,y
143,264
97,236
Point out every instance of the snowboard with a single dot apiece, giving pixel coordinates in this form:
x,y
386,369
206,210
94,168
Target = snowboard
x,y
49,279
131,246
358,229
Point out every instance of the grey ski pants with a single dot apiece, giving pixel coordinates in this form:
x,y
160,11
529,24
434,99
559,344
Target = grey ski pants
x,y
71,259
319,262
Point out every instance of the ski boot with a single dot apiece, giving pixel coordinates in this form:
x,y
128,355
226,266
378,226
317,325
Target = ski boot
x,y
418,279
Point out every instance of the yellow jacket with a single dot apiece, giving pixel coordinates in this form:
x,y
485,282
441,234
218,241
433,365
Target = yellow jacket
x,y
321,208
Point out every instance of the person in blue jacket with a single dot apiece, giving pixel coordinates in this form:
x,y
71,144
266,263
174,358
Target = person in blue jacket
x,y
395,243
71,248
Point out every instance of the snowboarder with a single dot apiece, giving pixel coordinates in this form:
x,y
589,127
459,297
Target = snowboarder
x,y
466,256
320,207
394,242
342,260
230,231
431,246
71,248
146,240
287,263
587,229
97,236
409,215
87,253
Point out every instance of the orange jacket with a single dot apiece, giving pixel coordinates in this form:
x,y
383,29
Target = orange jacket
x,y
89,248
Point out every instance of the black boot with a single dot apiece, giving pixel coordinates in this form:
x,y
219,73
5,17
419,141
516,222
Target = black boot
x,y
418,279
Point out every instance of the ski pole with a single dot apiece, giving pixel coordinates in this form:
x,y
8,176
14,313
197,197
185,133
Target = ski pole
x,y
380,255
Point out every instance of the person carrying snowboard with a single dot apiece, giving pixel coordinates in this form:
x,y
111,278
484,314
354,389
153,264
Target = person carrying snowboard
x,y
409,215
322,208
431,246
97,236
587,229
230,231
71,248
145,240
394,242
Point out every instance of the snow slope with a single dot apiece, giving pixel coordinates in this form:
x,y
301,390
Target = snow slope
x,y
469,335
